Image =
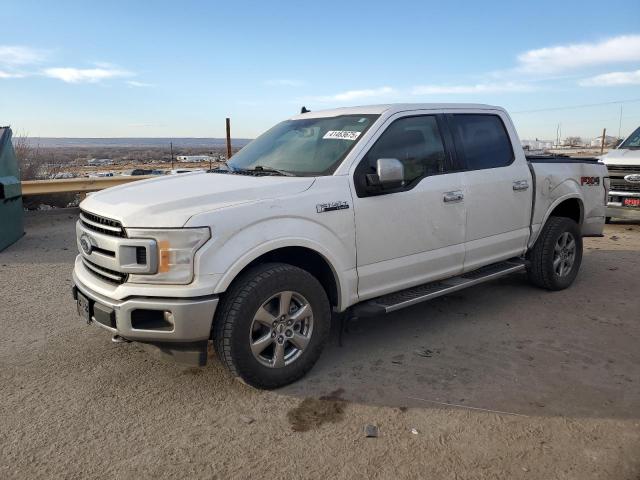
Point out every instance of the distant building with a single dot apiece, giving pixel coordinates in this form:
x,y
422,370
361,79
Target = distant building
x,y
573,142
536,144
609,141
194,158
100,161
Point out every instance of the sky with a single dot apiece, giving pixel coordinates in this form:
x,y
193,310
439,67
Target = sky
x,y
177,69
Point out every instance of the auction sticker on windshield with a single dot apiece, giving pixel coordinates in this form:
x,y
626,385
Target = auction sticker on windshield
x,y
342,135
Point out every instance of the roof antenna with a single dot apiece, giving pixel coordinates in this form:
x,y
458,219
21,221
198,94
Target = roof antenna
x,y
304,110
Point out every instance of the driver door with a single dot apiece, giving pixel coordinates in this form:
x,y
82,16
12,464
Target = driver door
x,y
412,234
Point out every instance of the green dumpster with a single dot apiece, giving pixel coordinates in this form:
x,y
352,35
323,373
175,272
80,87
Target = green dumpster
x,y
11,213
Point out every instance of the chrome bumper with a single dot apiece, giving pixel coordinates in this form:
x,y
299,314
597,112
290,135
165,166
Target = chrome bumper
x,y
191,318
616,210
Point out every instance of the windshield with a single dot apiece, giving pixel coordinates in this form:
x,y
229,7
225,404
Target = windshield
x,y
632,141
305,147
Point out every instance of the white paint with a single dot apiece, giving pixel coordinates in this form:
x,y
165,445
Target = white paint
x,y
379,244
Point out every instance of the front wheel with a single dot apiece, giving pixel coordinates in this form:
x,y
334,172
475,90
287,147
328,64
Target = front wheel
x,y
272,325
557,254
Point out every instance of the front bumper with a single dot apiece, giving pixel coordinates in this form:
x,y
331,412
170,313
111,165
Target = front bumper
x,y
616,210
191,317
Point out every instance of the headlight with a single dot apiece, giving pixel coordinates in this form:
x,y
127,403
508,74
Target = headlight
x,y
176,251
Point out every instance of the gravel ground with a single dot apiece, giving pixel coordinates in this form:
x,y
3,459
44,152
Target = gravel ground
x,y
547,385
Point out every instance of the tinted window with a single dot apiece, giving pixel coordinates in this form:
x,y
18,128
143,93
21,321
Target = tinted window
x,y
416,142
483,140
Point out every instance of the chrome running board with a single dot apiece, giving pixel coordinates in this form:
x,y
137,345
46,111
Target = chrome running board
x,y
421,293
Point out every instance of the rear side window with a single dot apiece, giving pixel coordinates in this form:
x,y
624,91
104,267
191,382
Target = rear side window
x,y
483,140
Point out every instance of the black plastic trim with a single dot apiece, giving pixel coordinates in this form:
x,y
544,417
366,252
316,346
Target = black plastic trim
x,y
560,159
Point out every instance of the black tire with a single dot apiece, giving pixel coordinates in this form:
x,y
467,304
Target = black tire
x,y
233,323
607,220
541,257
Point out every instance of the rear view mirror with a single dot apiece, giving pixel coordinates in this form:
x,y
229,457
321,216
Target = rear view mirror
x,y
390,174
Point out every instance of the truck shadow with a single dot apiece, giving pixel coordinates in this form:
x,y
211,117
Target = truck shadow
x,y
503,346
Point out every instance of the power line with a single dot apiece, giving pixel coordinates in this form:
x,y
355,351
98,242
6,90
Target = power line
x,y
571,107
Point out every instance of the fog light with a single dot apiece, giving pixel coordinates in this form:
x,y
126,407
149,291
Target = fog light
x,y
152,320
168,317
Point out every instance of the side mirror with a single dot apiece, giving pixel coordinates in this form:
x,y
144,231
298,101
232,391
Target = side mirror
x,y
390,174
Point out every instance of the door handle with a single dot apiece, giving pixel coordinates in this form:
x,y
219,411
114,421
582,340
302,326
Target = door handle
x,y
452,197
520,185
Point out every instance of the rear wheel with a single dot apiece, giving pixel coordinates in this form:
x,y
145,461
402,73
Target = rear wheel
x,y
607,220
556,257
272,325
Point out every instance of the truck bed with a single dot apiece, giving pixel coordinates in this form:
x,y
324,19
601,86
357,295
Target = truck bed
x,y
559,177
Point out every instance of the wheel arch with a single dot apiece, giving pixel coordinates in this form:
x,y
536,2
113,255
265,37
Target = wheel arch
x,y
569,206
306,257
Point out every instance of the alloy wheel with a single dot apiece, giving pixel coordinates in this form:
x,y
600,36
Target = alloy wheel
x,y
281,329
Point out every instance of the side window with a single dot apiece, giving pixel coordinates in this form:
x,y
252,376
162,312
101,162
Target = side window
x,y
483,140
416,142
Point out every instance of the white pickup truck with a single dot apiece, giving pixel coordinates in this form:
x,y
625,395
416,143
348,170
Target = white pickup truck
x,y
355,211
623,164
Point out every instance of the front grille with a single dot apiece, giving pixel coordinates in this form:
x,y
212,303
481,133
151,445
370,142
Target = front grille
x,y
623,168
102,225
105,274
622,186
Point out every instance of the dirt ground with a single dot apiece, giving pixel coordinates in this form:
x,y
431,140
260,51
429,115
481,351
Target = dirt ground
x,y
498,381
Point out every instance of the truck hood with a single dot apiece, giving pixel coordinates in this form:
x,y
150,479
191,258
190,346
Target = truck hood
x,y
171,200
622,157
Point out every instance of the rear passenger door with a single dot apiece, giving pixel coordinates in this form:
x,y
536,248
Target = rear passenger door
x,y
498,189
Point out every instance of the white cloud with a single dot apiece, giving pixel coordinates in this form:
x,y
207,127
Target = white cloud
x,y
612,79
4,74
470,89
15,55
85,75
14,58
134,83
284,82
624,48
351,95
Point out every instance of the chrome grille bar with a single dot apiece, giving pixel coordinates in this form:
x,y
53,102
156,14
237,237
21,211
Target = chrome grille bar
x,y
104,273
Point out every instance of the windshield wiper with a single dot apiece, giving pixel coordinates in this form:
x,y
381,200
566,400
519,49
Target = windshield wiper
x,y
258,169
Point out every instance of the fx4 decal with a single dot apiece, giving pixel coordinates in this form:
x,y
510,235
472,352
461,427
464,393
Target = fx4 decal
x,y
590,181
331,206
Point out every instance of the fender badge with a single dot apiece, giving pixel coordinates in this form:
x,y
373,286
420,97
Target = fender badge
x,y
590,181
331,206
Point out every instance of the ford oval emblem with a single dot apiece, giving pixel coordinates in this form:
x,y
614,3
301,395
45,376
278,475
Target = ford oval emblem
x,y
633,178
86,244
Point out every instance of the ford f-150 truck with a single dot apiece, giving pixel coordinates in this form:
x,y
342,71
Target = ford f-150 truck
x,y
624,172
357,211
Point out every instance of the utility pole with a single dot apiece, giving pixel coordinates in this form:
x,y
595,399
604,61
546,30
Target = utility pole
x,y
171,147
604,133
620,124
228,138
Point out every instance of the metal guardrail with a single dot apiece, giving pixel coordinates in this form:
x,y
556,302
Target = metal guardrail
x,y
73,185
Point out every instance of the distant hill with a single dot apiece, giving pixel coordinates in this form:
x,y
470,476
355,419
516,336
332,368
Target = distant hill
x,y
61,142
